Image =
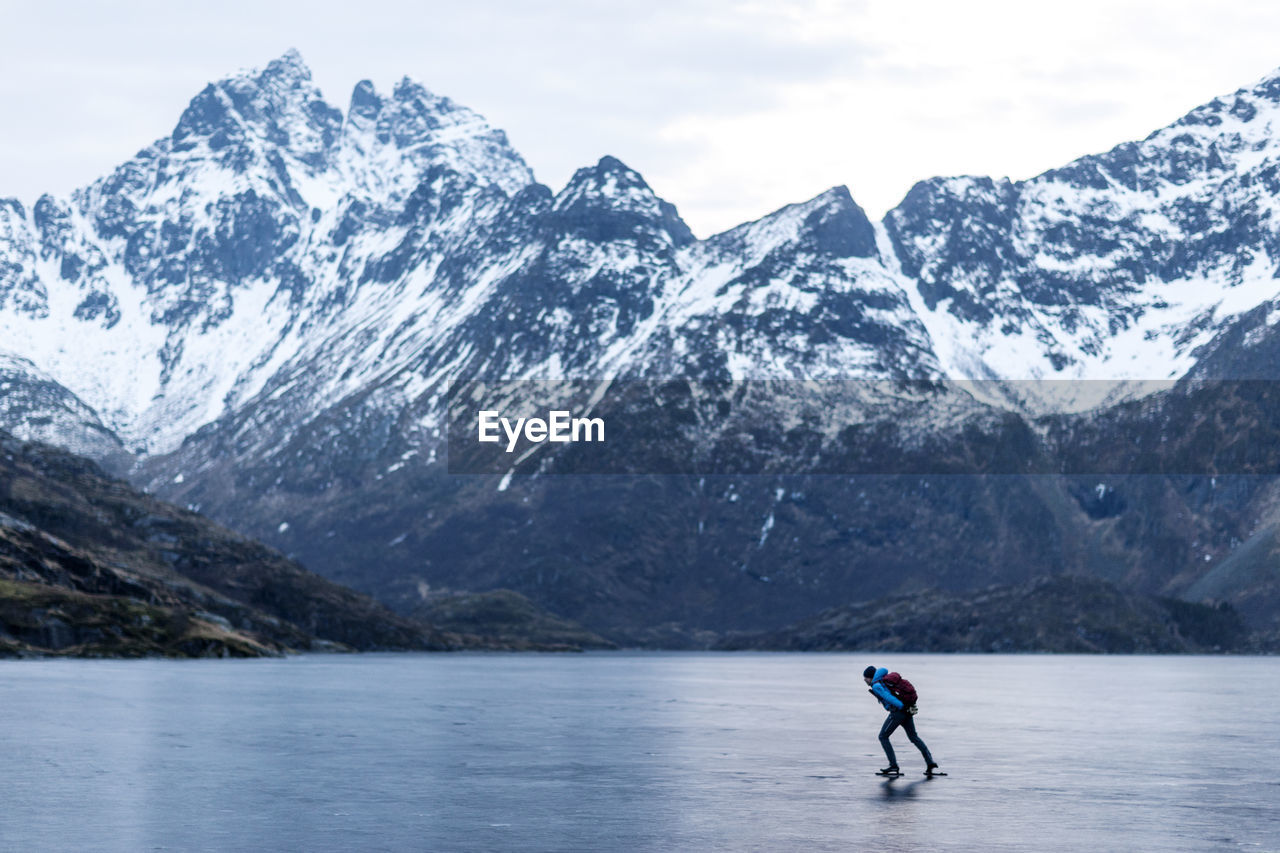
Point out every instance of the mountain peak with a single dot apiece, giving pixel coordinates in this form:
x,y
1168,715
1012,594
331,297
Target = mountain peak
x,y
429,129
408,89
289,65
610,164
365,102
838,198
609,176
831,223
418,112
612,193
837,225
278,104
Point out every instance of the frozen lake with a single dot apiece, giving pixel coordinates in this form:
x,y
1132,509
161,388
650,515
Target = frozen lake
x,y
638,751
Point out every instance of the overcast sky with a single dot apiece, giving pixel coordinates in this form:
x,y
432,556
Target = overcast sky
x,y
729,109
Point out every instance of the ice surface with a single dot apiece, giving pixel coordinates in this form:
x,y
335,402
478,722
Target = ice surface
x,y
633,751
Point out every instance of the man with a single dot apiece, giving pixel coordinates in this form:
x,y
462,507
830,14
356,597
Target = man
x,y
900,714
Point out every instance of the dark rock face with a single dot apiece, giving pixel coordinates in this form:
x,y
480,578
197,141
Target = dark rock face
x,y
841,229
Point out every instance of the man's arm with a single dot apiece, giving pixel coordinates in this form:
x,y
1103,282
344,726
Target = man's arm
x,y
893,703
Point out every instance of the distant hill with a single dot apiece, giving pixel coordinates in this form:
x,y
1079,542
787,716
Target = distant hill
x,y
506,617
89,566
1058,614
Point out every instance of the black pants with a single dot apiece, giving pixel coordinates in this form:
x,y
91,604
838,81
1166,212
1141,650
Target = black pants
x,y
908,723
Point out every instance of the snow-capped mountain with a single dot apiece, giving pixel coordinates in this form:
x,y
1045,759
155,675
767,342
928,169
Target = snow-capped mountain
x,y
1117,266
270,230
271,238
270,303
172,290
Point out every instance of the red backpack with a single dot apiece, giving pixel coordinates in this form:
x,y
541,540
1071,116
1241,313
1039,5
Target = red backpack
x,y
900,688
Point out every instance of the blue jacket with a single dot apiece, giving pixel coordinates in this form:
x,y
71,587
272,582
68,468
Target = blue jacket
x,y
887,699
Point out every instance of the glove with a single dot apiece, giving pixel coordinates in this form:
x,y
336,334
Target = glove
x,y
913,710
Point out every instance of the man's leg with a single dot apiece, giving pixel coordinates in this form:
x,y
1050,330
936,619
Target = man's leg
x,y
909,726
890,723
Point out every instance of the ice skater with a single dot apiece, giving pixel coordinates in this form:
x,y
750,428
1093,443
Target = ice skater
x,y
899,698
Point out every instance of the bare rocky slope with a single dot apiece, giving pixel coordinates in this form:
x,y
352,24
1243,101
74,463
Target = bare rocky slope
x,y
91,567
